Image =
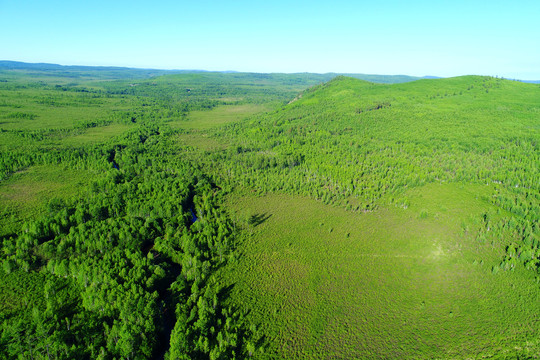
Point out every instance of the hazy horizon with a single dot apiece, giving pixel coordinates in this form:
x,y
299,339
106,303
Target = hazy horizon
x,y
258,72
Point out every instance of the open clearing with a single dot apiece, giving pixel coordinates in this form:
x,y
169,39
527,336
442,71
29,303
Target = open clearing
x,y
394,283
26,193
99,134
204,119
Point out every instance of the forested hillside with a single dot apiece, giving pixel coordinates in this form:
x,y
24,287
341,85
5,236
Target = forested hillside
x,y
232,215
351,142
393,154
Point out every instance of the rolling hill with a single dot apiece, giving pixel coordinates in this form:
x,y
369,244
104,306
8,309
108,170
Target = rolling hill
x,y
424,253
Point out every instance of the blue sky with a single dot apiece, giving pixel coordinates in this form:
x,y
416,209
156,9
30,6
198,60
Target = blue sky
x,y
443,38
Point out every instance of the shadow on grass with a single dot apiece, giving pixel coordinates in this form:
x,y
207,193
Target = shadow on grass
x,y
258,219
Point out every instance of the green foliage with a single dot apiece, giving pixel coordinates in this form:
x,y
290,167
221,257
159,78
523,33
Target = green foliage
x,y
130,250
117,242
123,244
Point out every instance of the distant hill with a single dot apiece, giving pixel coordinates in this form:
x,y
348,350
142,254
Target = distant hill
x,y
112,72
384,79
47,70
79,72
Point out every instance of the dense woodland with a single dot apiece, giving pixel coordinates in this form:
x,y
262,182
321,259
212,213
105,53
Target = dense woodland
x,y
125,270
122,264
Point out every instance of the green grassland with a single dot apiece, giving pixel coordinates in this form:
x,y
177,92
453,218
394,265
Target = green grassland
x,y
25,194
96,135
195,125
232,215
200,140
394,283
221,115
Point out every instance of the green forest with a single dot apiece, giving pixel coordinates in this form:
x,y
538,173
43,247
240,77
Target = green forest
x,y
207,215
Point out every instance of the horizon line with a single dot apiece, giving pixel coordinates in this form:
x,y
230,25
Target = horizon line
x,y
258,72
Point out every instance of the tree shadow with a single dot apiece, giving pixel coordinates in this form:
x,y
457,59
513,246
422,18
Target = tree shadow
x,y
225,292
258,219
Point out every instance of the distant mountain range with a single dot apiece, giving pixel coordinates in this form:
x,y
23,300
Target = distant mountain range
x,y
47,69
77,71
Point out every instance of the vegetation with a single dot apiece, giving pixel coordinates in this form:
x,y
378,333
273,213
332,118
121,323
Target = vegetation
x,y
231,215
385,284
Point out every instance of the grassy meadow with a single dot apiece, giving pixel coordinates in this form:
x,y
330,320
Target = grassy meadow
x,y
221,115
26,194
393,283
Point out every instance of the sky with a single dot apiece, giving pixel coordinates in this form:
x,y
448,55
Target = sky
x,y
436,37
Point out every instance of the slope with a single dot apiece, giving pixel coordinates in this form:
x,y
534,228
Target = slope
x,y
435,189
